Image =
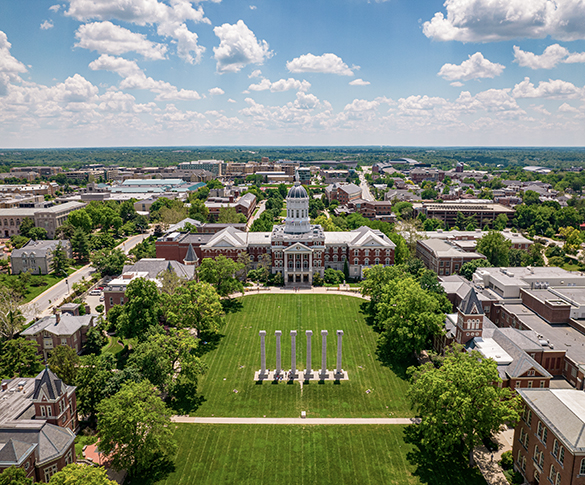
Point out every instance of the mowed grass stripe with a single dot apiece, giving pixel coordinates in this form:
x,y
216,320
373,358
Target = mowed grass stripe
x,y
241,347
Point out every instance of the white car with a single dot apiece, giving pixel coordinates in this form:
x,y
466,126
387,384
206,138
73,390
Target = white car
x,y
95,293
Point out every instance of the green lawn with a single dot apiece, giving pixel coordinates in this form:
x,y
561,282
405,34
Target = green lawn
x,y
287,454
112,347
233,363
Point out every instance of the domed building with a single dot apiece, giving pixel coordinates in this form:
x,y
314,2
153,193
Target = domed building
x,y
297,249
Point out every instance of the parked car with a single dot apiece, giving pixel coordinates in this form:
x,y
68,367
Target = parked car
x,y
102,298
95,292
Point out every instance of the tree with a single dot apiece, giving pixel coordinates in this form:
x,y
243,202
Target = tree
x,y
92,378
408,316
198,210
530,197
500,222
14,476
80,219
95,339
38,234
60,262
220,272
460,403
134,427
228,215
109,262
467,269
75,474
64,362
140,313
26,225
11,319
495,247
80,246
429,194
195,305
517,257
170,281
326,223
244,259
333,276
19,358
573,239
401,252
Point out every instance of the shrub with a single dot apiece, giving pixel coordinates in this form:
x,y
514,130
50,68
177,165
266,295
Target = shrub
x,y
507,461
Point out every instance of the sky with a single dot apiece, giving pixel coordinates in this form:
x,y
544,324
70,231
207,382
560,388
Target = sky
x,y
91,73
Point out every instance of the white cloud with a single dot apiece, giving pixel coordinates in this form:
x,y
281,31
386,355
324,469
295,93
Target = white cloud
x,y
216,91
540,109
238,47
552,55
256,73
567,108
359,82
327,63
232,100
475,67
253,7
280,85
10,67
169,19
47,24
134,78
54,8
306,101
555,89
107,38
495,20
456,84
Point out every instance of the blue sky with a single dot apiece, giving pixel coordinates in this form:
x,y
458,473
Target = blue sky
x,y
281,72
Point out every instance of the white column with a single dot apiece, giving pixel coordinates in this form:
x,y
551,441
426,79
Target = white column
x,y
323,374
293,354
263,373
339,370
309,368
278,370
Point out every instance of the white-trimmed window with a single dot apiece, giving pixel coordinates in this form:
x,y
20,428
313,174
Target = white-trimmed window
x,y
49,472
582,467
356,261
68,458
366,262
542,432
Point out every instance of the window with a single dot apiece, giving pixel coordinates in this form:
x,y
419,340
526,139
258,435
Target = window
x,y
367,252
562,455
43,412
121,300
63,341
541,384
552,473
529,384
538,457
49,472
49,411
524,437
582,468
367,262
68,458
527,416
517,384
356,261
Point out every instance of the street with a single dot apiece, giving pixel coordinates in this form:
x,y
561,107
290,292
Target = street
x,y
366,194
44,303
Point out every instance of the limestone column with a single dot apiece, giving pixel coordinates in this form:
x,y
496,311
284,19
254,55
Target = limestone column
x,y
323,374
309,368
339,370
278,370
293,354
262,373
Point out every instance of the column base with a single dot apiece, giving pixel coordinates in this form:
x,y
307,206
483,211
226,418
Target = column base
x,y
324,374
261,376
339,374
308,374
291,375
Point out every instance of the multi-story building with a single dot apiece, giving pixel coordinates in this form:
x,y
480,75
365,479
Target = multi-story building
x,y
303,175
63,328
467,240
36,256
245,205
298,250
214,166
418,175
49,218
549,444
447,211
443,257
38,421
373,209
344,193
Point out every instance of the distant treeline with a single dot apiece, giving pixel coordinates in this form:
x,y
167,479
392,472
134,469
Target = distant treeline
x,y
444,158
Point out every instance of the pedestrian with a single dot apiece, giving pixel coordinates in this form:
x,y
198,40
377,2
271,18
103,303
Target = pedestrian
x,y
492,458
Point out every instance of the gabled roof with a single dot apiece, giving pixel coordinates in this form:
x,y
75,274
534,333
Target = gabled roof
x,y
153,267
471,305
296,248
364,236
227,238
14,451
48,384
191,256
67,325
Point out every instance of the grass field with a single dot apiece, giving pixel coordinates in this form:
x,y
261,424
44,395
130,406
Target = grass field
x,y
237,356
283,454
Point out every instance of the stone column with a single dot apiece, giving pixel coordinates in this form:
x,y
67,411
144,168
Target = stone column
x,y
309,368
323,374
339,370
263,374
278,370
293,354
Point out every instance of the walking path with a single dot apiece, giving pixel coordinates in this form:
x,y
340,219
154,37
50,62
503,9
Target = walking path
x,y
319,290
219,420
488,462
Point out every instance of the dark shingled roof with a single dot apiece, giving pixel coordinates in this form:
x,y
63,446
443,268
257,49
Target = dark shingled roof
x,y
297,191
191,255
469,302
49,383
14,451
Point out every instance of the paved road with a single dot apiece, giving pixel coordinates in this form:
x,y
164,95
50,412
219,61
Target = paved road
x,y
219,420
366,194
261,208
43,304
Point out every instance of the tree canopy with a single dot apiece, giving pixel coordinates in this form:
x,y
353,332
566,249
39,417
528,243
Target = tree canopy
x,y
19,358
495,247
221,273
76,474
141,311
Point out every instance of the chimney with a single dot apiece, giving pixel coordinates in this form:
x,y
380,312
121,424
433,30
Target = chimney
x,y
4,385
57,317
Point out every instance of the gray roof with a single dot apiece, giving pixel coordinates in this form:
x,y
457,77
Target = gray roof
x,y
67,325
155,266
563,411
49,384
297,191
471,304
39,248
191,256
14,451
51,441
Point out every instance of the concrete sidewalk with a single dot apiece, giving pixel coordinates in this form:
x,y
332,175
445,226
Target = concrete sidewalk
x,y
219,420
488,462
315,290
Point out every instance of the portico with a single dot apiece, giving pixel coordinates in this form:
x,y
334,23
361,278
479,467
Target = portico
x,y
298,265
